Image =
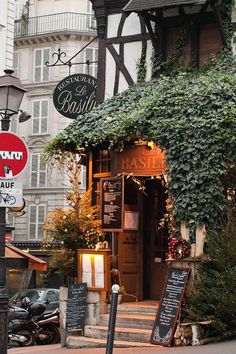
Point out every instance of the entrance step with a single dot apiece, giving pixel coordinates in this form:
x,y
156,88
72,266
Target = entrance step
x,y
121,333
85,342
129,320
138,308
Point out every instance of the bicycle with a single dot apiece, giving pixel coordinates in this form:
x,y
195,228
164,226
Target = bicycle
x,y
7,198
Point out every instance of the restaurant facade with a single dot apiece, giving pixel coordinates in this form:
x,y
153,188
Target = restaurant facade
x,y
130,34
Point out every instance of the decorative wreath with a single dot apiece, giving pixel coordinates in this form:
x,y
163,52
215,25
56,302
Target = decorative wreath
x,y
179,248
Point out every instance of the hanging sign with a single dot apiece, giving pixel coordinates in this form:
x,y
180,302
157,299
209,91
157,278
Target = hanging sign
x,y
112,202
169,307
13,155
75,95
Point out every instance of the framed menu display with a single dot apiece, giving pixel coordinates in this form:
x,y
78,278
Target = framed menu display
x,y
112,203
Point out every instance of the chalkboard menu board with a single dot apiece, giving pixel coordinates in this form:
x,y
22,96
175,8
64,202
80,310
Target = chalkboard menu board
x,y
112,201
169,307
76,306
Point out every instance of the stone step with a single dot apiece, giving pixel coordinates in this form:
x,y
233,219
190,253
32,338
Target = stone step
x,y
136,309
121,333
85,342
129,320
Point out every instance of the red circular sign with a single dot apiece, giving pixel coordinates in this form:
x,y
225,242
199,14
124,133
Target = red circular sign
x,y
13,155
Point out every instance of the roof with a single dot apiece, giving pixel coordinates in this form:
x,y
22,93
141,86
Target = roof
x,y
34,263
140,5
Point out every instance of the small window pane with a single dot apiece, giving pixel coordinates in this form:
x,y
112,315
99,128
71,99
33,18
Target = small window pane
x,y
42,179
36,109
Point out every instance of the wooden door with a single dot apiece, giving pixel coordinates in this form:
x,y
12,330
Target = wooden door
x,y
155,240
130,246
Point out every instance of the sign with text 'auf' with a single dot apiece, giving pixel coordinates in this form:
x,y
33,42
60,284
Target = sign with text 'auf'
x,y
75,95
13,155
10,194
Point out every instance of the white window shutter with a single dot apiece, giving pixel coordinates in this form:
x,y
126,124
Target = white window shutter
x,y
37,65
34,170
36,221
83,177
41,217
44,117
46,53
40,117
32,222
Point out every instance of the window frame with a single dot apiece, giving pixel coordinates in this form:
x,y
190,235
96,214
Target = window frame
x,y
40,116
41,65
36,223
37,170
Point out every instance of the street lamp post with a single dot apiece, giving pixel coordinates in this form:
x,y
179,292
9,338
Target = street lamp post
x,y
11,95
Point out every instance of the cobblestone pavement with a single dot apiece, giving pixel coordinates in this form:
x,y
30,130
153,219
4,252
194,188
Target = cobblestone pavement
x,y
228,347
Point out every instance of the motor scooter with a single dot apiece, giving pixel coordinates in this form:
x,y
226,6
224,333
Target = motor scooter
x,y
48,328
22,328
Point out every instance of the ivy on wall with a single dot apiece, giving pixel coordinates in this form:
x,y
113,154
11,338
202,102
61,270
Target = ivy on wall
x,y
191,115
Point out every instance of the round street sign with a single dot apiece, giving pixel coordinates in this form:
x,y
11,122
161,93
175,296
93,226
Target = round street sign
x,y
13,155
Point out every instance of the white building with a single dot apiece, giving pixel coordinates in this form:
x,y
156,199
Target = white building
x,y
41,28
7,15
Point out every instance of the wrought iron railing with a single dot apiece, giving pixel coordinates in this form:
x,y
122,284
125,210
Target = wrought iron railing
x,y
61,22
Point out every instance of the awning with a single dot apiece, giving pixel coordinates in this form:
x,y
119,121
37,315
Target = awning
x,y
141,5
34,263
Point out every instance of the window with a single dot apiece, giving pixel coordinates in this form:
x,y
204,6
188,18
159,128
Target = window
x,y
83,177
38,171
40,117
91,54
52,295
41,71
37,215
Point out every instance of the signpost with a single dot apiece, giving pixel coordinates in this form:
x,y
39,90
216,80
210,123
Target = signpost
x,y
13,155
75,95
112,203
169,307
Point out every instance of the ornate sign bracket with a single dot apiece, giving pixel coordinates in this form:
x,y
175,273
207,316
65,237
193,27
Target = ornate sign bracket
x,y
60,62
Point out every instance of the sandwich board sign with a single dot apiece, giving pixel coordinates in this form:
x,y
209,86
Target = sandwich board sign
x,y
13,155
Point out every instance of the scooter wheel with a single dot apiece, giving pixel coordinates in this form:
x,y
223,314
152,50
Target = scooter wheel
x,y
30,340
53,335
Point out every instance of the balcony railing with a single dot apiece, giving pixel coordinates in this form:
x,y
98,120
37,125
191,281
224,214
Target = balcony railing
x,y
61,22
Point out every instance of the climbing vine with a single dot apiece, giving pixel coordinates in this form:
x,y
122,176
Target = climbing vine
x,y
189,114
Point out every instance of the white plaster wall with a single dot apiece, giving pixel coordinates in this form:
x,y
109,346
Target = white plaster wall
x,y
132,55
47,7
131,25
112,25
110,75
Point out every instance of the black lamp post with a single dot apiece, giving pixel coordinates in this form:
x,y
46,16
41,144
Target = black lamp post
x,y
11,95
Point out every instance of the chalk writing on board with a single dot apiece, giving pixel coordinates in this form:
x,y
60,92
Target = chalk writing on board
x,y
170,304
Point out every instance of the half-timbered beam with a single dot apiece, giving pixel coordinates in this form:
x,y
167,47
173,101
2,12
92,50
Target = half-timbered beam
x,y
120,64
